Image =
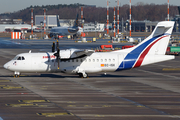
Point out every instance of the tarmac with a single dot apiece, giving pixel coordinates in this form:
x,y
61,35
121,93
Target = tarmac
x,y
150,92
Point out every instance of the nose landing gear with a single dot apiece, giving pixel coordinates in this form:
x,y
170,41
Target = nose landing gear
x,y
16,74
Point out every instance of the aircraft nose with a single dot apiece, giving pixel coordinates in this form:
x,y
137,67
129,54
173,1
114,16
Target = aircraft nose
x,y
6,66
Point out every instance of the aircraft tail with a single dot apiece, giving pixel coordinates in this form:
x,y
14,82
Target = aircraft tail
x,y
58,24
158,41
76,21
152,49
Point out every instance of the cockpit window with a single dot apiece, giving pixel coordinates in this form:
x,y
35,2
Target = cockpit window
x,y
19,58
23,58
15,58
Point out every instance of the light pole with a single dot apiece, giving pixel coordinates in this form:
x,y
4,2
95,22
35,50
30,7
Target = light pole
x,y
126,29
41,28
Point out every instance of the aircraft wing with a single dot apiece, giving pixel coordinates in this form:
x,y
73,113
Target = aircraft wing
x,y
85,52
75,53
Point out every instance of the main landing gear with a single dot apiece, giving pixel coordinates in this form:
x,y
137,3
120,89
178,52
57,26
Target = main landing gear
x,y
83,75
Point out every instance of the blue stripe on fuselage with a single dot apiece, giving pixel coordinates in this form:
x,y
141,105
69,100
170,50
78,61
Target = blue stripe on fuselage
x,y
131,57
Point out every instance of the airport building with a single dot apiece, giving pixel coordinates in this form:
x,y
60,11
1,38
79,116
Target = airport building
x,y
15,27
136,26
141,26
94,27
10,21
51,21
177,23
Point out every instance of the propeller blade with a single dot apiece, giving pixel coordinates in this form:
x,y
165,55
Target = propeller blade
x,y
53,47
57,45
58,58
57,54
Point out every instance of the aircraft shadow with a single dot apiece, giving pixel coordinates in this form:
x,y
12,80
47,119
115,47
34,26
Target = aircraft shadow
x,y
69,76
108,76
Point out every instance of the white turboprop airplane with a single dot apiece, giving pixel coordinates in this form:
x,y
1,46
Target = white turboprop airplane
x,y
64,30
83,62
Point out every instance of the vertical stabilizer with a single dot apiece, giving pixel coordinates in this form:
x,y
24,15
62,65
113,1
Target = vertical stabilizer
x,y
150,50
76,21
158,41
58,24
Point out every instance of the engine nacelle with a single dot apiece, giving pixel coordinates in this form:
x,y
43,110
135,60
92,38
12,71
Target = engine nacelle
x,y
50,35
68,53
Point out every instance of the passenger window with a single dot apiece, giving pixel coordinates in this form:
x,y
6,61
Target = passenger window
x,y
113,60
77,60
72,60
101,60
109,60
93,60
89,60
97,60
81,60
105,60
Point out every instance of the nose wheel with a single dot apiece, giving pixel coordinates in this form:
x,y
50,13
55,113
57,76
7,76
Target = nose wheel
x,y
16,74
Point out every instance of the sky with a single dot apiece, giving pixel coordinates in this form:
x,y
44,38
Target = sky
x,y
15,5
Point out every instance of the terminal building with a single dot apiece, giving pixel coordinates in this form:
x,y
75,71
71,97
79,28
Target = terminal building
x,y
142,26
94,27
51,21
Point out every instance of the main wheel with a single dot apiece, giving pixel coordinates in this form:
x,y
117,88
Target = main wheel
x,y
83,75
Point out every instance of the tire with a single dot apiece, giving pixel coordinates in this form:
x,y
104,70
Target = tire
x,y
85,75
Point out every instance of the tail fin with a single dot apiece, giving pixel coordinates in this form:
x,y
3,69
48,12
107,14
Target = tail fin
x,y
150,50
76,21
58,24
158,41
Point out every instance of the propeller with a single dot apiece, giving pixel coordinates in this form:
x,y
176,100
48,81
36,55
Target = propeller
x,y
57,54
53,47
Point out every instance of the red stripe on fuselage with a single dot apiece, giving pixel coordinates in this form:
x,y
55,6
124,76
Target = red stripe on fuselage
x,y
142,56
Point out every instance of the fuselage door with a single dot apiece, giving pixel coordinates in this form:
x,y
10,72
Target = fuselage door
x,y
121,61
